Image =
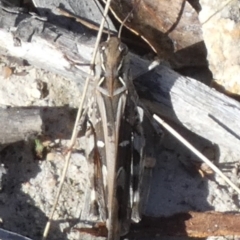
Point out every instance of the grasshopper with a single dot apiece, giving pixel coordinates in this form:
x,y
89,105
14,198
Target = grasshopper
x,y
115,143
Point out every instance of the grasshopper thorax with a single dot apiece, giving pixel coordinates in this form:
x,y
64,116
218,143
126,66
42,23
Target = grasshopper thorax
x,y
112,67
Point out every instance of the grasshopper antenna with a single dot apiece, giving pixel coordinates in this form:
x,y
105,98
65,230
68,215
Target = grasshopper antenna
x,y
75,129
126,18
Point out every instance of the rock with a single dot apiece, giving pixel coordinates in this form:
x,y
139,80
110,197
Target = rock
x,y
221,32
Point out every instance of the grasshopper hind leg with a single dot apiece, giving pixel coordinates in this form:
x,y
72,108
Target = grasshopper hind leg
x,y
90,209
144,154
94,206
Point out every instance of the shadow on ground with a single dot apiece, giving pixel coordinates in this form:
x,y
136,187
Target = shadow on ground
x,y
18,211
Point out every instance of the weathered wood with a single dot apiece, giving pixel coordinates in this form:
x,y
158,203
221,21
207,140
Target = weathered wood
x,y
19,124
88,9
190,224
182,100
192,104
35,41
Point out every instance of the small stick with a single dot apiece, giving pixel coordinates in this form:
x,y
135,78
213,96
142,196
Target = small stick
x,y
196,152
75,131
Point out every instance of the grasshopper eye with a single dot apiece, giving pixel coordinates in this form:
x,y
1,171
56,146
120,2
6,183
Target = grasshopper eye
x,y
123,48
102,47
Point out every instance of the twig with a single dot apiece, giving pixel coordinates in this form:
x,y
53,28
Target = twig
x,y
196,152
75,131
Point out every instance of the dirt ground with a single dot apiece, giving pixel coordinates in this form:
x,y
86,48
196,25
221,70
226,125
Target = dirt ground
x,y
29,184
